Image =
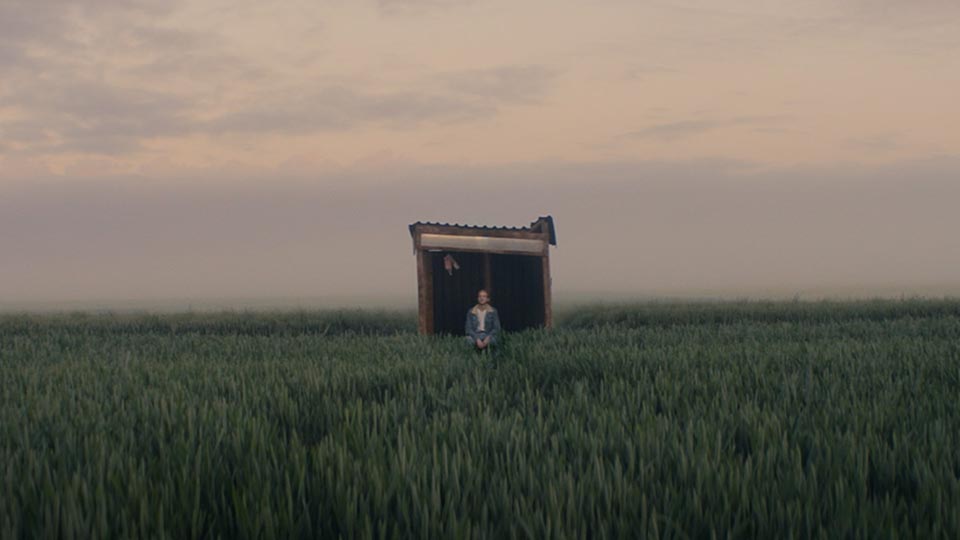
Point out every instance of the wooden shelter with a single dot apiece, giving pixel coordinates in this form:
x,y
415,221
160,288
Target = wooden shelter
x,y
455,261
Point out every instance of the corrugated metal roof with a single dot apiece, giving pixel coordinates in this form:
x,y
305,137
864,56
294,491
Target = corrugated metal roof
x,y
465,226
547,219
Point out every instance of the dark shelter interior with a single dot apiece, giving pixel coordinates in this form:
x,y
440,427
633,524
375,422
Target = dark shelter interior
x,y
515,284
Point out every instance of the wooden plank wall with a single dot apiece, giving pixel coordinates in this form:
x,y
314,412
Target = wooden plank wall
x,y
424,292
547,286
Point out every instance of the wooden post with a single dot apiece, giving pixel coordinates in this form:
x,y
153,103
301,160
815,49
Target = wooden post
x,y
547,300
428,275
421,295
424,292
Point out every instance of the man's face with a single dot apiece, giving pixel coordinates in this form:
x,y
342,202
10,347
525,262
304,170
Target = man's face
x,y
483,298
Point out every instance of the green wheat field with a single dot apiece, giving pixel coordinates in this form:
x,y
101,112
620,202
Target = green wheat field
x,y
672,420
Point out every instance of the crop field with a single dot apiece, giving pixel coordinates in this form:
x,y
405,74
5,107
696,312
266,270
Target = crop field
x,y
673,420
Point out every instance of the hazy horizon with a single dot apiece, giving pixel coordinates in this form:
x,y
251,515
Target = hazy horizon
x,y
563,301
173,153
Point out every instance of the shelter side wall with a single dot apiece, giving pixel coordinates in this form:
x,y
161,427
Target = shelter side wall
x,y
547,295
424,292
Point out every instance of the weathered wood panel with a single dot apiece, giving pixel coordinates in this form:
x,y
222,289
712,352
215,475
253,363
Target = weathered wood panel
x,y
453,242
547,286
424,293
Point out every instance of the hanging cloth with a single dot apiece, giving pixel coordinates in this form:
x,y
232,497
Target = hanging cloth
x,y
449,264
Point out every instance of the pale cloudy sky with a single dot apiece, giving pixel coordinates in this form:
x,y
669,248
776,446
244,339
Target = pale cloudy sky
x,y
159,149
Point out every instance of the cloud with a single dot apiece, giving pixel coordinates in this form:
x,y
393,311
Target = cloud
x,y
451,97
337,108
866,12
80,114
106,81
675,130
669,131
416,7
92,116
640,72
927,28
878,143
98,78
29,28
505,84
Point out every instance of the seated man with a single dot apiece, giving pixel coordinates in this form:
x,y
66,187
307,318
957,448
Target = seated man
x,y
483,323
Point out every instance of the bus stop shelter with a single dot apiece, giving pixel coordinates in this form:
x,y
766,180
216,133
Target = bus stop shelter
x,y
511,263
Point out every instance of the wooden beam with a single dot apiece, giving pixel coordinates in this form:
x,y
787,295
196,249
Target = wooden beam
x,y
480,231
456,242
428,276
547,286
421,292
497,251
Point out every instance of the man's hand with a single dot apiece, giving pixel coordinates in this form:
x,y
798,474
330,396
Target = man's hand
x,y
480,343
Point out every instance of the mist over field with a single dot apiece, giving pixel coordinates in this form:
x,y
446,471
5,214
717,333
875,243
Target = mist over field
x,y
711,229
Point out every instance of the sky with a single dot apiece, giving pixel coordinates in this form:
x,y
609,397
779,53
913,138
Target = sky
x,y
189,151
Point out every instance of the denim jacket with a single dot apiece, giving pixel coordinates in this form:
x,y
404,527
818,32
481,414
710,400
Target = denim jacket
x,y
491,324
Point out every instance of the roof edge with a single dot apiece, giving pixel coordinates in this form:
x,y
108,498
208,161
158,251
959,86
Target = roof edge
x,y
543,224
